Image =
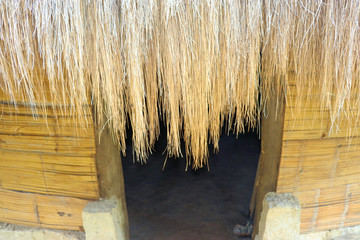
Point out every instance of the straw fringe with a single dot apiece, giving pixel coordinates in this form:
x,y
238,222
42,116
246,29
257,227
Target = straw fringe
x,y
196,65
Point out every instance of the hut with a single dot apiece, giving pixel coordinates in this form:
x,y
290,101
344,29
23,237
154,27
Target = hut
x,y
75,74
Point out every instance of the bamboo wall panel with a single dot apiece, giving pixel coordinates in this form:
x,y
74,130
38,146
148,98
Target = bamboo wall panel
x,y
47,166
320,164
53,157
41,210
20,96
48,174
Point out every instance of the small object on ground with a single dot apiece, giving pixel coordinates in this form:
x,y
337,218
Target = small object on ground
x,y
243,231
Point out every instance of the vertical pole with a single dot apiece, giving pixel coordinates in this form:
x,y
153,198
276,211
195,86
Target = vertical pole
x,y
110,175
271,145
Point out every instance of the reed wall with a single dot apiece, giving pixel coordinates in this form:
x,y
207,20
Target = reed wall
x,y
320,165
47,166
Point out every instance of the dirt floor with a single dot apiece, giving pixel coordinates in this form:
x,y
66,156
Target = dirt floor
x,y
178,205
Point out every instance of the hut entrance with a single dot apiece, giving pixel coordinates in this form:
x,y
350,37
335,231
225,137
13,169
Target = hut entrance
x,y
201,204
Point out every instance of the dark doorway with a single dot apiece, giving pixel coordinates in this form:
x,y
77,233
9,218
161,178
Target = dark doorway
x,y
193,205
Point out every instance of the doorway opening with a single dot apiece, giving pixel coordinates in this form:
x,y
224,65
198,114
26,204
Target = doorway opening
x,y
184,205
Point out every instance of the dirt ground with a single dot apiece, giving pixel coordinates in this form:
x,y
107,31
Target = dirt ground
x,y
193,205
16,232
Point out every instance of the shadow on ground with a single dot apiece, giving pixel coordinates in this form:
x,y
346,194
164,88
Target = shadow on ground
x,y
193,205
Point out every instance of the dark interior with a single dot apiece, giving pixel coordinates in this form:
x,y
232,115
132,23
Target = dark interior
x,y
186,205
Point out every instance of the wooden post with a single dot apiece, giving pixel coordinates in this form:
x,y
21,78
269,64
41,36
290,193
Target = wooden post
x,y
110,174
271,145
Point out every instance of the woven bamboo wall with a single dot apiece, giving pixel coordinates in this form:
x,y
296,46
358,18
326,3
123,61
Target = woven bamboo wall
x,y
321,169
47,167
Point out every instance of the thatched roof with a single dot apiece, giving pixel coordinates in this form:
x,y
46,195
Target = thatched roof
x,y
197,65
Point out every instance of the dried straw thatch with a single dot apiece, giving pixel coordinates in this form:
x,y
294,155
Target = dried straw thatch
x,y
196,64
